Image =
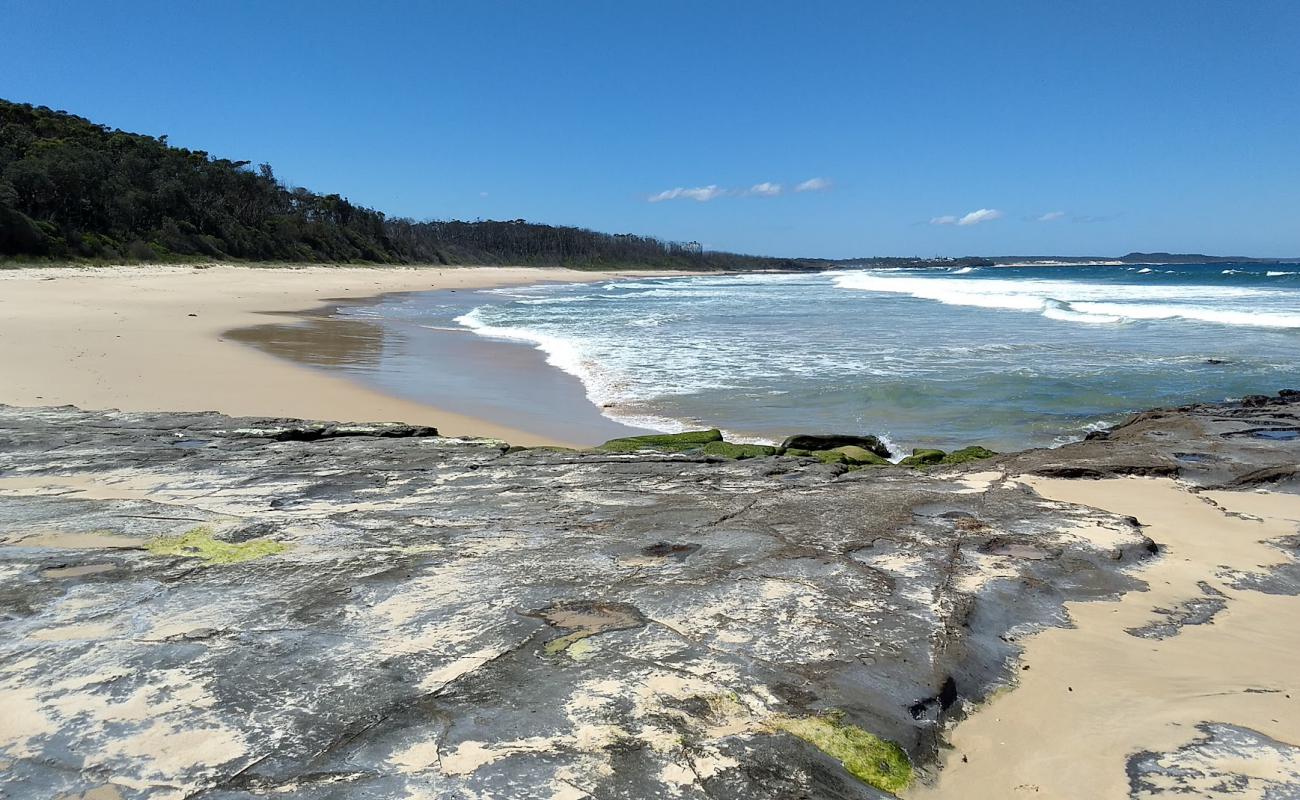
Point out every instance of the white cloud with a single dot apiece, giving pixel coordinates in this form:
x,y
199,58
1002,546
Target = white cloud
x,y
981,215
973,218
813,185
765,189
702,194
1052,216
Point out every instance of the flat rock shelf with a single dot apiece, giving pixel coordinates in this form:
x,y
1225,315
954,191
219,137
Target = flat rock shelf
x,y
194,605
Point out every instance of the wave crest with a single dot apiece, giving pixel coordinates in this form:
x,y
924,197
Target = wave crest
x,y
1081,302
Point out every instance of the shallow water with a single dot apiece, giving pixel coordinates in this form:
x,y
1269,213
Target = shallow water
x,y
1007,357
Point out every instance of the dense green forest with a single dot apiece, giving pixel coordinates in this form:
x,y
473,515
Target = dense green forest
x,y
73,190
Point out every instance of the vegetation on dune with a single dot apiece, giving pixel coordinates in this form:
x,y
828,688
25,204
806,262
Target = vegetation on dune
x,y
73,190
518,242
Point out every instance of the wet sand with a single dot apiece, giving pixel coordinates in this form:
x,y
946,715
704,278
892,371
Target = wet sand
x,y
1094,694
1089,697
154,338
433,361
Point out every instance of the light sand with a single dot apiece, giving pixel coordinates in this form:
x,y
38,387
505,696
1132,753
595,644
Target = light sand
x,y
1094,694
124,337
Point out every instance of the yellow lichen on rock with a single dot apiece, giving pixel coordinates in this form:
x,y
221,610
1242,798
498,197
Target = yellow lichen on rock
x,y
199,543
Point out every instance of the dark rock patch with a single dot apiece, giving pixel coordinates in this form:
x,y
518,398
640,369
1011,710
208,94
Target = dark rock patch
x,y
678,551
1223,761
1194,611
815,442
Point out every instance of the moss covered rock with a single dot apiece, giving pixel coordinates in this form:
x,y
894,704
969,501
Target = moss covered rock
x,y
830,457
923,458
858,455
874,761
930,458
666,442
730,450
815,442
972,453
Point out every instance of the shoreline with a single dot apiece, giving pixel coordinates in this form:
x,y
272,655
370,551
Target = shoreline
x,y
455,369
157,338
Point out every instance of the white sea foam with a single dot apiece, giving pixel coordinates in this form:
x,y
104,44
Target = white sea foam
x,y
562,353
1251,319
963,271
1083,302
1058,310
655,353
603,387
1278,274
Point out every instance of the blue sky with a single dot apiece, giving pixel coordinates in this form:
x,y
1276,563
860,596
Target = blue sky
x,y
1075,127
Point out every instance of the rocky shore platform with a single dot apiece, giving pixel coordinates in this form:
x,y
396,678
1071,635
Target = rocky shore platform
x,y
200,606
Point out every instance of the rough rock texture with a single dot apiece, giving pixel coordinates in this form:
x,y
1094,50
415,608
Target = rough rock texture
x,y
1254,443
234,608
1225,761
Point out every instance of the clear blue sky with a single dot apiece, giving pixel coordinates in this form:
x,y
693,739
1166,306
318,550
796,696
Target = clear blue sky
x,y
1121,125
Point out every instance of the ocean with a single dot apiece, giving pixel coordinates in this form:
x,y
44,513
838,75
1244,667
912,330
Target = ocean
x,y
1008,357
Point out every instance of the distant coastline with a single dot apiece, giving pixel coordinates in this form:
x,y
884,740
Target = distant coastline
x,y
250,216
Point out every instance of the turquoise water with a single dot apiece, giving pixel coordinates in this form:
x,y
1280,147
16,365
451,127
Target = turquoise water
x,y
1008,357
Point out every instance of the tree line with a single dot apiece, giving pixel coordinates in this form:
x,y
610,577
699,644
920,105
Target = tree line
x,y
72,190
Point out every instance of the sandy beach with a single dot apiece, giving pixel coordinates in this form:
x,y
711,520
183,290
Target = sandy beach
x,y
1146,673
1150,675
153,338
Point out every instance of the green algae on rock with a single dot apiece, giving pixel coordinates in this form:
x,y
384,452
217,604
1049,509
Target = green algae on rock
x,y
972,453
858,455
199,543
737,451
872,760
449,576
830,456
923,457
814,442
668,442
931,458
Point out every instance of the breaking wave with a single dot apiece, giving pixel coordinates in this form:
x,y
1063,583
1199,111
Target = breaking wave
x,y
1082,302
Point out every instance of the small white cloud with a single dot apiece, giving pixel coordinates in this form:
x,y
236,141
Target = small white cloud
x,y
813,185
946,219
981,215
482,194
765,189
701,194
1052,216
